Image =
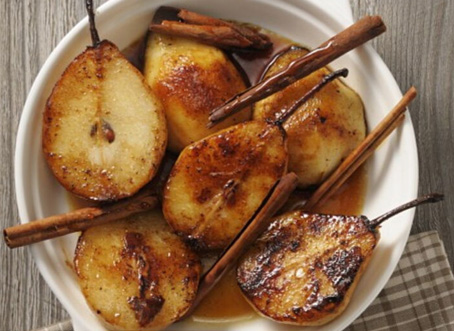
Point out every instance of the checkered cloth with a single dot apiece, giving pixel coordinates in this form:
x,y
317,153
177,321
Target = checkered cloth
x,y
419,295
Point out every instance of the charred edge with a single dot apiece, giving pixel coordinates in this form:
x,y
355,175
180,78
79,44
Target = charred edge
x,y
341,269
195,243
266,266
149,303
146,309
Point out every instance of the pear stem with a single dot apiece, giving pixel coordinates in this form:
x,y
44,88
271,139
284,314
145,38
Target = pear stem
x,y
430,198
325,80
91,18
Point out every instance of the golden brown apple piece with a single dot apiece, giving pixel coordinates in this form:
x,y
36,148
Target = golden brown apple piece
x,y
190,79
324,130
218,182
304,268
104,131
135,273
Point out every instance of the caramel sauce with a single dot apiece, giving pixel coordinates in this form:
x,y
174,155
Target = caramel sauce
x,y
226,303
349,199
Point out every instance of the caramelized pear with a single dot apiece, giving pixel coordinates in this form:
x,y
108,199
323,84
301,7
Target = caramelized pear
x,y
190,79
218,182
104,131
135,273
324,130
304,268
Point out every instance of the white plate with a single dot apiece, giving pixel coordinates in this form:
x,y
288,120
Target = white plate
x,y
393,171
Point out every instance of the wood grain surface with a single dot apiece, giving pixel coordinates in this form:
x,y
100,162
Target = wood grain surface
x,y
418,48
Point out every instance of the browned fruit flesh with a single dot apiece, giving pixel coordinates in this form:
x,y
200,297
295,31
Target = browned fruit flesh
x,y
191,79
324,130
219,182
304,268
104,131
136,274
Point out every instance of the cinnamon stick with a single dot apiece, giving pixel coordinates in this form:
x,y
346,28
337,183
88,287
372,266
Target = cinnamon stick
x,y
219,36
78,220
196,18
362,152
357,34
208,30
59,225
252,230
259,40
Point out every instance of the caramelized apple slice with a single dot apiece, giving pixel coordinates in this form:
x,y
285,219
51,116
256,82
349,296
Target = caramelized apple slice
x,y
219,182
135,273
104,131
190,79
324,130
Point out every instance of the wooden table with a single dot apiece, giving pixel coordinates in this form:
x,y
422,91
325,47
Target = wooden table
x,y
418,48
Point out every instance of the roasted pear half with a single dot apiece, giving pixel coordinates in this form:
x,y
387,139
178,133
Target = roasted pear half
x,y
219,182
304,268
104,131
191,79
324,130
135,273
